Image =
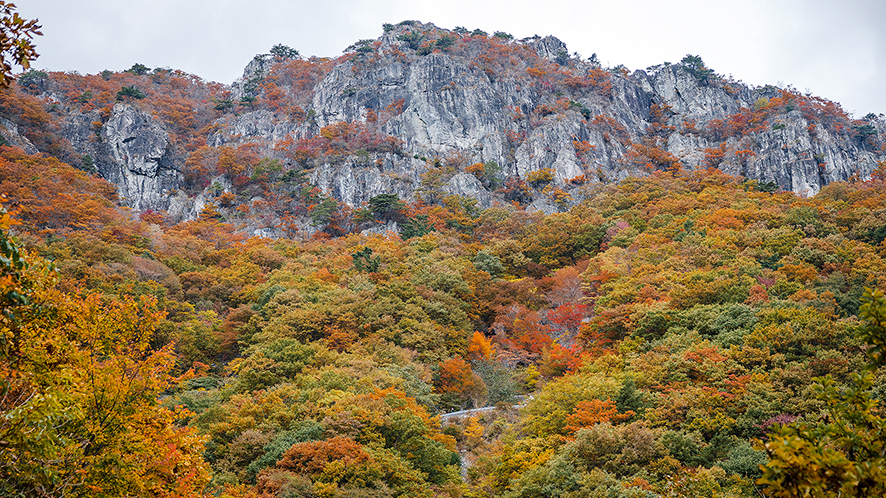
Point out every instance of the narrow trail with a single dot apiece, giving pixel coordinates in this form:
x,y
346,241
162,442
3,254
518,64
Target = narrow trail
x,y
448,417
522,400
464,413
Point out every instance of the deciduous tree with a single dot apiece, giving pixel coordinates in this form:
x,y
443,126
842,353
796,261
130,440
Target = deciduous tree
x,y
15,41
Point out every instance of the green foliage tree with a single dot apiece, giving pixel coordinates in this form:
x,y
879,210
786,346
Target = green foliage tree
x,y
386,207
363,260
445,42
415,227
130,92
489,173
864,132
139,69
843,454
490,263
697,68
322,212
32,80
284,52
499,381
412,39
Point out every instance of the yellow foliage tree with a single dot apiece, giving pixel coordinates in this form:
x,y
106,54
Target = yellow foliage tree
x,y
473,429
79,384
480,347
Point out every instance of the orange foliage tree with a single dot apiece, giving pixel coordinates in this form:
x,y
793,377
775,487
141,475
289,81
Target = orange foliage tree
x,y
591,412
53,195
460,382
480,348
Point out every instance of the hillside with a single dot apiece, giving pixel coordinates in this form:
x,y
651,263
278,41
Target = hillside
x,y
660,325
274,289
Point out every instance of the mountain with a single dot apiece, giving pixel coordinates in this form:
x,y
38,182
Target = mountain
x,y
635,322
424,112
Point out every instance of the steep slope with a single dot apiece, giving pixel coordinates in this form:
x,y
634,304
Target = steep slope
x,y
424,112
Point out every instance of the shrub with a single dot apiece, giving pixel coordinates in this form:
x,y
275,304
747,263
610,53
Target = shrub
x,y
130,92
412,39
540,177
445,41
138,69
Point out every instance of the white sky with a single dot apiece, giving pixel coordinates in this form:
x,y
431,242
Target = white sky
x,y
834,48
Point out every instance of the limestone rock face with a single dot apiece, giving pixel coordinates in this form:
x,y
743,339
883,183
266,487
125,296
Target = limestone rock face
x,y
78,129
448,111
255,125
468,186
140,162
253,72
786,153
447,105
551,48
450,107
680,90
805,161
355,183
9,132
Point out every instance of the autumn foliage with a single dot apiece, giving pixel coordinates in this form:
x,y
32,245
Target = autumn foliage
x,y
649,332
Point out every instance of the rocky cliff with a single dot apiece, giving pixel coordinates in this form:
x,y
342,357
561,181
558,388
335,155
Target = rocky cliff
x,y
492,118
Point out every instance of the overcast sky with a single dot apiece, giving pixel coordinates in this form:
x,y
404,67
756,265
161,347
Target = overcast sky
x,y
834,48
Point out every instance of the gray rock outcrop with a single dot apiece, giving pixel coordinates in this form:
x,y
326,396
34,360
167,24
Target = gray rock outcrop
x,y
139,159
10,134
448,111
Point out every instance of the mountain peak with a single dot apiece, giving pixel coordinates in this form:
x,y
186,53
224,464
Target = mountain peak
x,y
425,112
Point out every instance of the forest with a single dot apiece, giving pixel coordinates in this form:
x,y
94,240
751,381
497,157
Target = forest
x,y
679,333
